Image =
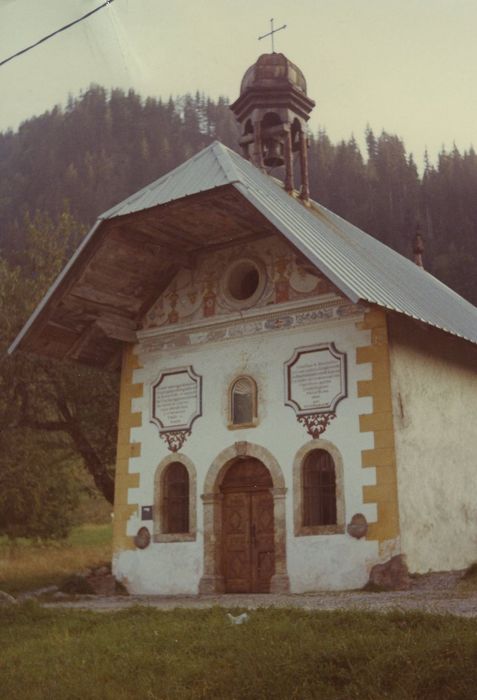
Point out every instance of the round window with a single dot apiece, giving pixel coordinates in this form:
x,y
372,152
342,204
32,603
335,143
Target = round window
x,y
244,282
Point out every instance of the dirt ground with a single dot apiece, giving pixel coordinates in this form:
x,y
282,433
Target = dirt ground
x,y
435,593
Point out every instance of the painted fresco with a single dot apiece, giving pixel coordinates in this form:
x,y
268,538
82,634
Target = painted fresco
x,y
199,294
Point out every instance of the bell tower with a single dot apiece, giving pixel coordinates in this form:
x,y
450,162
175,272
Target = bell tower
x,y
273,109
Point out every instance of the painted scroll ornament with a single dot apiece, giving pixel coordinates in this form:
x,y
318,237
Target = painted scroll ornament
x,y
174,438
316,423
315,383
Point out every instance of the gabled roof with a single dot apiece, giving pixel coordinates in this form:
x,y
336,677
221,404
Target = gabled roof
x,y
359,265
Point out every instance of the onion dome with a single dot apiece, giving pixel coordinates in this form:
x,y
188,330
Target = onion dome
x,y
273,70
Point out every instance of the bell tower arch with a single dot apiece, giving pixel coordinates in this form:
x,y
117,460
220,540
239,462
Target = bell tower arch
x,y
273,109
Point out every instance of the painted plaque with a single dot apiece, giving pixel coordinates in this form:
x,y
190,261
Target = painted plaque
x,y
176,399
315,379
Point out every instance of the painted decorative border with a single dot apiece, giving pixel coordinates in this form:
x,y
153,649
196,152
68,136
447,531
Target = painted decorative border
x,y
332,311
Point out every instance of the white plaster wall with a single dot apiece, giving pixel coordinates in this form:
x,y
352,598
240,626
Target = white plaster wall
x,y
167,568
434,384
329,562
314,562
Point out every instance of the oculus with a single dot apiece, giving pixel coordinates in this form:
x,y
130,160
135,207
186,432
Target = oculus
x,y
244,283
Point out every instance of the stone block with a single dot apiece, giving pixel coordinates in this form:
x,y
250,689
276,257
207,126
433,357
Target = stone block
x,y
393,575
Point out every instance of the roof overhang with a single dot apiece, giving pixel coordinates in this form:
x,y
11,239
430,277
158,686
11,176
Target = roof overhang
x,y
122,267
216,199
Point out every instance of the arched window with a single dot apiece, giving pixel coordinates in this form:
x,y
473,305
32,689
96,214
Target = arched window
x,y
243,402
175,499
175,494
319,489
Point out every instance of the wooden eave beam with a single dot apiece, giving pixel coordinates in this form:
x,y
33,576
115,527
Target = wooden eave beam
x,y
144,236
115,360
90,308
117,327
66,284
75,350
116,331
168,276
151,227
234,241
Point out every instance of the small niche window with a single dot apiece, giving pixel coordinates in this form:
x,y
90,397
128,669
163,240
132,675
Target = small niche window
x,y
175,504
243,402
319,489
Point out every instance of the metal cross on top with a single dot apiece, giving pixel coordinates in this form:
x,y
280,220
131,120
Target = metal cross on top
x,y
271,33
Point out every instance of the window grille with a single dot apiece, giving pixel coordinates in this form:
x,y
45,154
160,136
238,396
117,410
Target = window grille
x,y
176,499
319,489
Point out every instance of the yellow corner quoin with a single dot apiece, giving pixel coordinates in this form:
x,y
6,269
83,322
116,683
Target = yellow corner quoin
x,y
380,422
125,450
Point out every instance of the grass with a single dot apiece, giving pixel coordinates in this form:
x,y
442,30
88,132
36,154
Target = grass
x,y
197,654
28,565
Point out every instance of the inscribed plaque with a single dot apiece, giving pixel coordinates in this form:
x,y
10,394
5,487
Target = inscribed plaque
x,y
176,399
315,379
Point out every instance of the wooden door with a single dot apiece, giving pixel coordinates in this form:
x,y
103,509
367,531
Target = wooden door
x,y
247,529
237,542
262,550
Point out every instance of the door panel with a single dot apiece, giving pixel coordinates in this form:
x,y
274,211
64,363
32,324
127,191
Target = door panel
x,y
236,537
248,541
263,550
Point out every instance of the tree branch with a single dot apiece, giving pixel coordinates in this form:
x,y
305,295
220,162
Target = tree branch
x,y
70,426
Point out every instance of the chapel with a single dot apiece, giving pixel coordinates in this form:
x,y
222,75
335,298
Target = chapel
x,y
297,400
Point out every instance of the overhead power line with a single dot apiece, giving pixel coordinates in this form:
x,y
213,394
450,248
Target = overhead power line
x,y
62,29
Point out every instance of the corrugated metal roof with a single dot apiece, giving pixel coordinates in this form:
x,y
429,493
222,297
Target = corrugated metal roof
x,y
201,173
362,267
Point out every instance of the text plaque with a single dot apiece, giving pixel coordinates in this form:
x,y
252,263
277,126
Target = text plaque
x,y
315,383
176,403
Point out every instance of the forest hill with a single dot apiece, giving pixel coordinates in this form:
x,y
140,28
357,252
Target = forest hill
x,y
61,169
103,146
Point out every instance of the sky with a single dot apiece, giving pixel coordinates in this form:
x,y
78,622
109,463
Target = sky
x,y
405,66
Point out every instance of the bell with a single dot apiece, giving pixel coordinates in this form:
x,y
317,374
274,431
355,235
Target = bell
x,y
273,153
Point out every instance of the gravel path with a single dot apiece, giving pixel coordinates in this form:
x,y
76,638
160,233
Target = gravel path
x,y
435,593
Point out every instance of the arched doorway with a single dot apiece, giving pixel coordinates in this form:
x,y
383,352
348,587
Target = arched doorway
x,y
248,557
212,580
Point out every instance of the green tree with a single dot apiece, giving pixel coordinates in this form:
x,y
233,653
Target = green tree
x,y
51,412
38,488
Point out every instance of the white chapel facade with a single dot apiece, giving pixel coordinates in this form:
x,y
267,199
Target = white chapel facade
x,y
255,339
295,396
